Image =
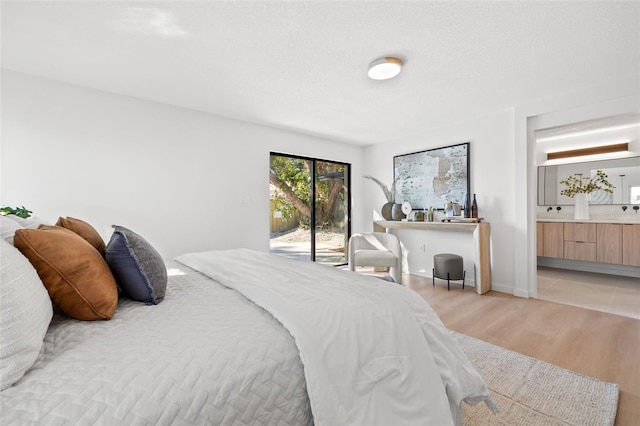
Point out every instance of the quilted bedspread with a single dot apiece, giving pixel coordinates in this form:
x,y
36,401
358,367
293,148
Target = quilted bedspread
x,y
374,353
205,355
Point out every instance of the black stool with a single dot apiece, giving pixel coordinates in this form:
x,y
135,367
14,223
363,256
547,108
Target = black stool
x,y
448,266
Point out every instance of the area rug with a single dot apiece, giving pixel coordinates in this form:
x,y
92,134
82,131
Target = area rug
x,y
532,392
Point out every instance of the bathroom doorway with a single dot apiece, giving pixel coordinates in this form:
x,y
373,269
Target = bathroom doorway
x,y
558,279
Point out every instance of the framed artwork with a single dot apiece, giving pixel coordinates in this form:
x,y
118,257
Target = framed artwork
x,y
433,177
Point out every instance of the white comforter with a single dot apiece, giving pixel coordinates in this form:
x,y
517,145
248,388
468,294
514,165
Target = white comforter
x,y
204,356
374,353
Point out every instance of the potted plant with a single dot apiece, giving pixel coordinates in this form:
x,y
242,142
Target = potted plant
x,y
390,210
580,187
22,212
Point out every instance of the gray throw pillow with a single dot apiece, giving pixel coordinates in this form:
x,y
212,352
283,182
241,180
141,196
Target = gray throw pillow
x,y
137,267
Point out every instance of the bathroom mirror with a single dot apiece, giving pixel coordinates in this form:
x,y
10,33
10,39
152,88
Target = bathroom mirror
x,y
623,173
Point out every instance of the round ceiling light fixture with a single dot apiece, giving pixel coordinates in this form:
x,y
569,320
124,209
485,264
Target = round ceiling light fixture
x,y
385,68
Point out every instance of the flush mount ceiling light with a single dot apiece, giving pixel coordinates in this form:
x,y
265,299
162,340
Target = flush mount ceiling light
x,y
385,68
606,149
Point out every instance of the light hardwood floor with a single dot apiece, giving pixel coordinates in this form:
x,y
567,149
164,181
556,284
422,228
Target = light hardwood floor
x,y
592,343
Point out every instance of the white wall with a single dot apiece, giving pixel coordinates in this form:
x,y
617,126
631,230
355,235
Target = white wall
x,y
492,170
178,177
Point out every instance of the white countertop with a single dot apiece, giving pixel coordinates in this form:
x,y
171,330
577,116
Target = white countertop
x,y
436,225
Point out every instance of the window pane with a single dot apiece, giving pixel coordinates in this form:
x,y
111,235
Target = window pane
x,y
332,212
290,198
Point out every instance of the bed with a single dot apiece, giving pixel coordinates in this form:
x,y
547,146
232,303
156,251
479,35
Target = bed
x,y
237,337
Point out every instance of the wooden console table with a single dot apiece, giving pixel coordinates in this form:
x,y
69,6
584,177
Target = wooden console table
x,y
481,243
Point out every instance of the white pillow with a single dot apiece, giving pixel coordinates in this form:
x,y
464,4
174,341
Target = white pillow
x,y
8,228
25,314
31,222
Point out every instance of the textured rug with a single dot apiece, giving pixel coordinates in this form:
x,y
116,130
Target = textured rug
x,y
532,392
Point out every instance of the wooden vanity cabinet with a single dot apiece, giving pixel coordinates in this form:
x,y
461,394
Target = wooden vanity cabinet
x,y
609,246
631,245
613,243
540,238
553,239
580,241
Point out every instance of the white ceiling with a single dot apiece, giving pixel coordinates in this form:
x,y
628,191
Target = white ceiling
x,y
302,65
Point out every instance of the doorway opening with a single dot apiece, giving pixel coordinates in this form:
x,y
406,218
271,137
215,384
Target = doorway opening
x,y
572,270
310,208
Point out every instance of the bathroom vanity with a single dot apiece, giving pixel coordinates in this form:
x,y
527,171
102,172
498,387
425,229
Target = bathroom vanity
x,y
605,246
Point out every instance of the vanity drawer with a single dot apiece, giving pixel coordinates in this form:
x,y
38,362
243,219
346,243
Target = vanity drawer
x,y
580,250
580,232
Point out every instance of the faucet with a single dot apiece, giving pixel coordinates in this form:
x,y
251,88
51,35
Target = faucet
x,y
558,208
549,209
636,208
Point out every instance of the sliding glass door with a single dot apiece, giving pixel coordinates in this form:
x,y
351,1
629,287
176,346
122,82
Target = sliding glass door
x,y
310,209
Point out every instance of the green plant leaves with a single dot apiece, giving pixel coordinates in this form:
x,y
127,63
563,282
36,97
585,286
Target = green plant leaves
x,y
22,212
577,183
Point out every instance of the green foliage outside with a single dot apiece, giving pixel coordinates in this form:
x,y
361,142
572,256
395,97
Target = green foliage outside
x,y
280,203
22,212
292,177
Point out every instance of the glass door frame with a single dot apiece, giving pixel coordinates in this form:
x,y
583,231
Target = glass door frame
x,y
312,178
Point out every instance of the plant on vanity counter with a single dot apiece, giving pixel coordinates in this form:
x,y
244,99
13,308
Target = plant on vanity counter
x,y
579,184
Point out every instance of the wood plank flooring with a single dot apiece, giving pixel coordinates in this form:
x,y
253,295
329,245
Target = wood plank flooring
x,y
592,343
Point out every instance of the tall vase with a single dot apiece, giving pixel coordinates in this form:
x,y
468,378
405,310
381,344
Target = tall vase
x,y
581,210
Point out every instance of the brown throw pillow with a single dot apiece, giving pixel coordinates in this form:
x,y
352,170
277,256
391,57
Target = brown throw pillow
x,y
76,276
85,230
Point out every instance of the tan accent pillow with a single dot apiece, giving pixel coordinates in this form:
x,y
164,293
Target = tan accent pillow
x,y
85,230
76,276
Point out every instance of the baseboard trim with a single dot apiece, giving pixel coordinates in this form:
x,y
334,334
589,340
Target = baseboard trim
x,y
471,283
521,293
599,268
